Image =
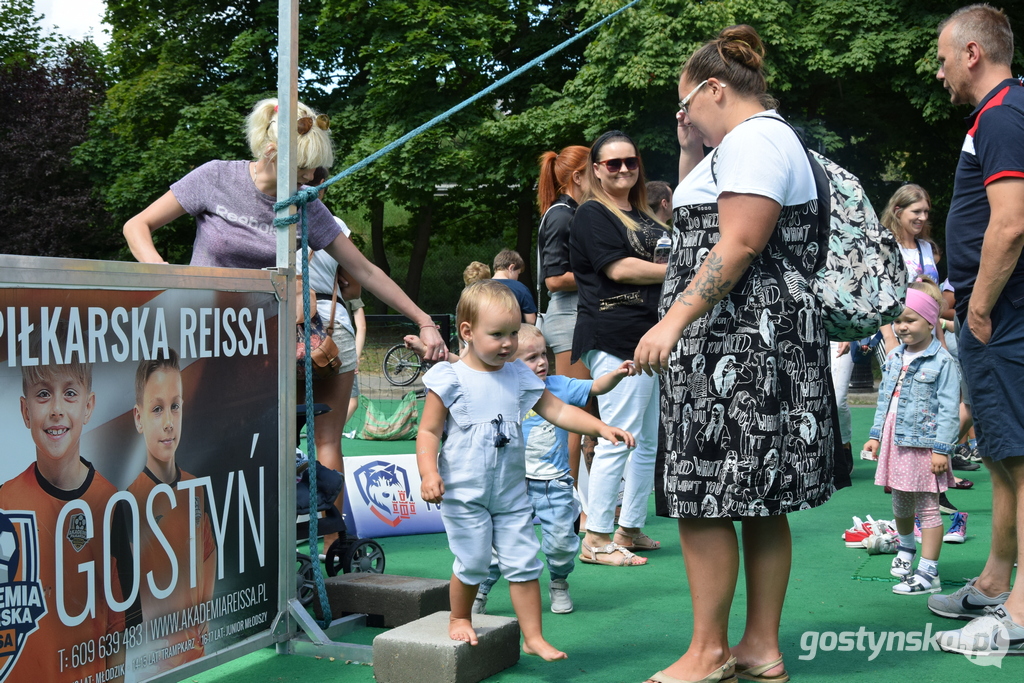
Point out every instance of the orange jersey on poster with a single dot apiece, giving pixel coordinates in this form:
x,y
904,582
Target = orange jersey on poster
x,y
60,652
178,525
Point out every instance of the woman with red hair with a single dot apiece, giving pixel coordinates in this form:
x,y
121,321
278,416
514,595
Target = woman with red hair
x,y
559,191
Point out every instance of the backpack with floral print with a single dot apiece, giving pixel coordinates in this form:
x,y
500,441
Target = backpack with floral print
x,y
861,279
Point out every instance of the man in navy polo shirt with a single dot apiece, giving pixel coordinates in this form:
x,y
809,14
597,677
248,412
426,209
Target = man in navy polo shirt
x,y
984,237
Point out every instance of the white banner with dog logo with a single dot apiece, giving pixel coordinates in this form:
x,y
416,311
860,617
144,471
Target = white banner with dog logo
x,y
382,498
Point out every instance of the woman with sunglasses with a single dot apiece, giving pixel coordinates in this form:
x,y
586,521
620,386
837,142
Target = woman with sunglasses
x,y
233,204
755,438
611,247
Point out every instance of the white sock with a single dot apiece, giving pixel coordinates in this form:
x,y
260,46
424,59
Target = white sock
x,y
907,541
930,566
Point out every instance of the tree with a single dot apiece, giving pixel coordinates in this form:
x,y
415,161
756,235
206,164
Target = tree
x,y
858,76
407,61
48,89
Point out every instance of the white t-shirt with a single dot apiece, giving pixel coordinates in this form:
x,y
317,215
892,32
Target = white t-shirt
x,y
759,156
322,267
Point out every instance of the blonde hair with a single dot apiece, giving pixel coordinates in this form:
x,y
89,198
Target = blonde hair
x,y
73,369
475,272
480,295
528,332
637,193
902,198
927,285
312,150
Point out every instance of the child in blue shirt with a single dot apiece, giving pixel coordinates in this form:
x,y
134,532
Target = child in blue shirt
x,y
548,482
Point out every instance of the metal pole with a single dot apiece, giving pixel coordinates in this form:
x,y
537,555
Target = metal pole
x,y
287,99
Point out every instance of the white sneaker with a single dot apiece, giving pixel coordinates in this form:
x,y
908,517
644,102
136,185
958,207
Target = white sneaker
x,y
918,583
994,634
881,544
561,601
480,603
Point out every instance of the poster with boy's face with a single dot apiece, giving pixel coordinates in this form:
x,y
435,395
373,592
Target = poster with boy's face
x,y
139,483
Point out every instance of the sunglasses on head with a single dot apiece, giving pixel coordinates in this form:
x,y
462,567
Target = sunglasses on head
x,y
615,165
305,124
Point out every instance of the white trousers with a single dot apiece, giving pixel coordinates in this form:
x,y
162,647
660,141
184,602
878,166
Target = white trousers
x,y
633,406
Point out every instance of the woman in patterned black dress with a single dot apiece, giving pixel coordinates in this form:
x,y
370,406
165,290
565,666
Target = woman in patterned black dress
x,y
747,425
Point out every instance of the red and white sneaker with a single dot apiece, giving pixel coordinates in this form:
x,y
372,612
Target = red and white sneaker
x,y
855,535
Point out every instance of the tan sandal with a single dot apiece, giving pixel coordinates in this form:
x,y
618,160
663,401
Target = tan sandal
x,y
610,551
637,541
755,673
723,674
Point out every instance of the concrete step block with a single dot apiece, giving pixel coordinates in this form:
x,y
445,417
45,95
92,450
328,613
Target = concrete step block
x,y
388,600
422,652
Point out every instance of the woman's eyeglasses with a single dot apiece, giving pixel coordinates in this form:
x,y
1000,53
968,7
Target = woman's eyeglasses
x,y
615,165
305,124
685,102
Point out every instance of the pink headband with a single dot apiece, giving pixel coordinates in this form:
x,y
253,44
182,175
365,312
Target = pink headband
x,y
923,305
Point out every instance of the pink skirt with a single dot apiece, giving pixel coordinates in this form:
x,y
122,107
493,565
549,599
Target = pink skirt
x,y
905,468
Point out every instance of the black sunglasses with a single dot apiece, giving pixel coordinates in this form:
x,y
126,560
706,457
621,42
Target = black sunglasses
x,y
615,165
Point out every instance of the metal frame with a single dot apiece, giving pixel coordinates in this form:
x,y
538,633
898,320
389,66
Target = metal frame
x,y
298,633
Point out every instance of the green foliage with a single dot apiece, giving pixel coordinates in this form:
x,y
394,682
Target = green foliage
x,y
858,76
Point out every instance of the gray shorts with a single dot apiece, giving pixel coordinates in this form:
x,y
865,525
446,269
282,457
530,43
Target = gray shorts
x,y
559,321
346,342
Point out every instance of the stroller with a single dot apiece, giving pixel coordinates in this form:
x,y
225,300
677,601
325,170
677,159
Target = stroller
x,y
348,554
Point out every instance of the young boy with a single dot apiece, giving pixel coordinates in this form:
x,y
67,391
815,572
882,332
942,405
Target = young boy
x,y
60,485
548,482
159,404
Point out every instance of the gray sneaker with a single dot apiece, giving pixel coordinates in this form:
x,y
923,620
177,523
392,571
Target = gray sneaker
x,y
480,603
966,603
561,601
994,634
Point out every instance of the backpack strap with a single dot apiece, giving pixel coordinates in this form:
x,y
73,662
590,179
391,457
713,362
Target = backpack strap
x,y
823,190
539,229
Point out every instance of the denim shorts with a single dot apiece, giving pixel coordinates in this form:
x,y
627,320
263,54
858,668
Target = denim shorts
x,y
346,342
995,375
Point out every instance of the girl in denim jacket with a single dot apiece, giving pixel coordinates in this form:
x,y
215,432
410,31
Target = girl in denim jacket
x,y
916,423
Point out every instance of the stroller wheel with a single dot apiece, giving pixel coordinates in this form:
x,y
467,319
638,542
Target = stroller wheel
x,y
353,556
305,583
364,555
334,558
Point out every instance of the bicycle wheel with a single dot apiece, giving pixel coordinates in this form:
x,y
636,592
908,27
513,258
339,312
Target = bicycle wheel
x,y
401,365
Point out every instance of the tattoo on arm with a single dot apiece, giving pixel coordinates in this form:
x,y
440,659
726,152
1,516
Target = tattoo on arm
x,y
709,284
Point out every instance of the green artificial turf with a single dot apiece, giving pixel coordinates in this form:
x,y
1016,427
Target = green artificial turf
x,y
631,622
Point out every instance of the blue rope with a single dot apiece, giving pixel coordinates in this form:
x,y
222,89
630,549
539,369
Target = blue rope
x,y
304,196
314,518
300,199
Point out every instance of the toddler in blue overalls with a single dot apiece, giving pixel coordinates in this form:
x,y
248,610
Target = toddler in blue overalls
x,y
481,471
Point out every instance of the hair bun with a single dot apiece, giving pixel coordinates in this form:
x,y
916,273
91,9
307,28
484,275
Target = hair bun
x,y
741,44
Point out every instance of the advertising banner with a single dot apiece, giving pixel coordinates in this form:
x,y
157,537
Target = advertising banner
x,y
383,498
139,496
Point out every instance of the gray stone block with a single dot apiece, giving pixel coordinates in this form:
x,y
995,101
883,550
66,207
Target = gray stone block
x,y
422,652
386,599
